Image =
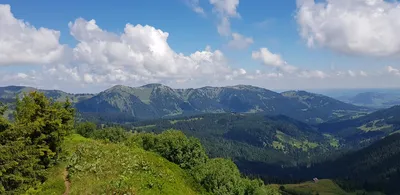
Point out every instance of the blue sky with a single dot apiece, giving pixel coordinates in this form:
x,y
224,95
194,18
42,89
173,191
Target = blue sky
x,y
275,25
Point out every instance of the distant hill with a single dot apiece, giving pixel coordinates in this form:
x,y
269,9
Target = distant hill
x,y
374,99
157,101
8,94
366,129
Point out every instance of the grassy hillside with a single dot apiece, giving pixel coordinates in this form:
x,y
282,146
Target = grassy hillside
x,y
136,171
322,187
131,170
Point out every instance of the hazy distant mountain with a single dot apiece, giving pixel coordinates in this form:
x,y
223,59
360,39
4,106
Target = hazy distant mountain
x,y
8,94
156,100
373,99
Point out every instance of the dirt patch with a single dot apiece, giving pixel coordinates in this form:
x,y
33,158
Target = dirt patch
x,y
67,183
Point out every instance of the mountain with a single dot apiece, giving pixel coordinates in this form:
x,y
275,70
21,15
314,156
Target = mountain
x,y
319,108
247,138
8,94
157,101
366,129
374,99
374,168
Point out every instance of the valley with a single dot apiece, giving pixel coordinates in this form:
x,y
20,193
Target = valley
x,y
284,139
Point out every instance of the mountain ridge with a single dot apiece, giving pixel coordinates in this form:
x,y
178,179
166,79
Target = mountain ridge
x,y
157,101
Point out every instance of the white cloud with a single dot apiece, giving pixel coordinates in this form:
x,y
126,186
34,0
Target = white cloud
x,y
224,27
363,73
225,9
351,73
270,59
239,41
369,27
194,4
22,43
392,70
275,60
312,74
140,53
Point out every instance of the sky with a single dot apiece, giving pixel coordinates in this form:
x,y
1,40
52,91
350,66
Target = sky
x,y
87,46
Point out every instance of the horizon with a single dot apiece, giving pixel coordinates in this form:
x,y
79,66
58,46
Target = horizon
x,y
274,45
331,92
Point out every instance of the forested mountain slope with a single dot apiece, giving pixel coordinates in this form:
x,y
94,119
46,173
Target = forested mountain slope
x,y
366,129
156,101
375,168
273,140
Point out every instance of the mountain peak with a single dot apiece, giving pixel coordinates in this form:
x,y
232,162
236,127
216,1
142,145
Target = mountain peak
x,y
152,85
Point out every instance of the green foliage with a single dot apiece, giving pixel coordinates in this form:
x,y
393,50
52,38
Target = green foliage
x,y
86,129
112,134
33,142
174,146
222,177
107,168
3,108
251,138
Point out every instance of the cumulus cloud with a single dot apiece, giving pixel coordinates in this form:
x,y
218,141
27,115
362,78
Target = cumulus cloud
x,y
368,27
275,60
22,43
225,9
140,53
270,59
240,42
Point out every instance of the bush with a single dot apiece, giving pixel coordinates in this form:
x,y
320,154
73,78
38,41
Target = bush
x,y
112,134
86,129
222,177
174,146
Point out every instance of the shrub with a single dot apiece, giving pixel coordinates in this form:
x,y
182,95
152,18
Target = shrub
x,y
174,146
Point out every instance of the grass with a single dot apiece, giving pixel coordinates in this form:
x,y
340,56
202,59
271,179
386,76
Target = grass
x,y
268,190
278,145
301,144
322,187
372,126
332,140
97,167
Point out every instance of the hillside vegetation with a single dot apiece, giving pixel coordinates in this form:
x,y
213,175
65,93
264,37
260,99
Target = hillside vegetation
x,y
366,129
38,149
249,137
43,152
